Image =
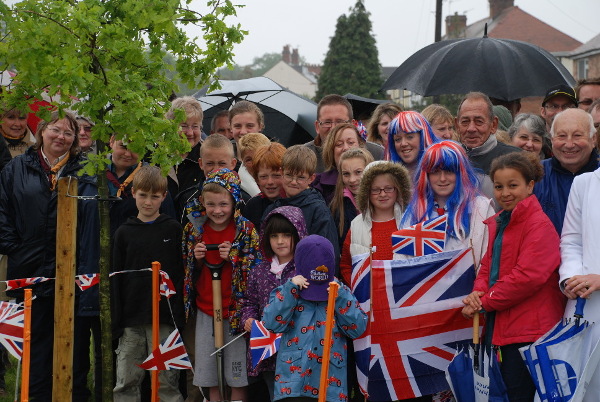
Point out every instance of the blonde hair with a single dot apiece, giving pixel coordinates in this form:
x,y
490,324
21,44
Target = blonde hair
x,y
189,105
248,107
332,137
337,203
217,141
251,142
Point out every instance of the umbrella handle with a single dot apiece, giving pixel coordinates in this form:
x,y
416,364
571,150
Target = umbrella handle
x,y
476,328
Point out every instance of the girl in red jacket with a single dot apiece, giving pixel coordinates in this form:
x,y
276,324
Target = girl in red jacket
x,y
516,286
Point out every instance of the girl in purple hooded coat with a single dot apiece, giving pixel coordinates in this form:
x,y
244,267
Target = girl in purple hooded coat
x,y
283,228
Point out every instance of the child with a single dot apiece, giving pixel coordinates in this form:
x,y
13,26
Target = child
x,y
151,236
343,206
298,172
247,145
441,121
283,228
219,222
447,184
517,282
245,117
268,174
382,197
408,136
298,310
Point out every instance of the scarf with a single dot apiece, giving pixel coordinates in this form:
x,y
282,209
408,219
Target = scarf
x,y
52,172
115,180
276,267
486,147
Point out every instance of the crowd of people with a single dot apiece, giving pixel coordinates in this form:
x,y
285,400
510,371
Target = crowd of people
x,y
280,223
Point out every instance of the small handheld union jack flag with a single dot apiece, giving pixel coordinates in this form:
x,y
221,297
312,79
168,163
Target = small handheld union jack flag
x,y
169,355
427,237
263,343
12,321
166,287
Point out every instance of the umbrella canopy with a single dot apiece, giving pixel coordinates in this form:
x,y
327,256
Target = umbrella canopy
x,y
501,68
289,117
362,107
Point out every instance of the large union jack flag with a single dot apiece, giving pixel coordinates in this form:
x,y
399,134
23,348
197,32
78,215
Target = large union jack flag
x,y
12,320
415,324
263,343
169,355
424,238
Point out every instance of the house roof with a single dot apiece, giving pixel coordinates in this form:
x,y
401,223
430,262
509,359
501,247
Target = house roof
x,y
588,48
514,23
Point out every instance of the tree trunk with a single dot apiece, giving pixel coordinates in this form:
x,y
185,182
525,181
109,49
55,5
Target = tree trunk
x,y
105,263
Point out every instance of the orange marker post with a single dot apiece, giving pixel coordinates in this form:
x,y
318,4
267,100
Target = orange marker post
x,y
26,358
329,323
155,325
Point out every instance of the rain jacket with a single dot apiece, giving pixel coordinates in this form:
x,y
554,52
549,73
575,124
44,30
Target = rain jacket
x,y
244,254
28,219
526,297
262,281
553,190
317,216
302,323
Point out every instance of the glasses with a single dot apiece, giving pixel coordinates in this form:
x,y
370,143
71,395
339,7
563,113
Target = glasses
x,y
387,190
553,107
329,124
299,179
185,127
56,131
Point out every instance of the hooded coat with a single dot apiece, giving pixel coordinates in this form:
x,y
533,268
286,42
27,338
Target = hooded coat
x,y
244,254
262,281
317,215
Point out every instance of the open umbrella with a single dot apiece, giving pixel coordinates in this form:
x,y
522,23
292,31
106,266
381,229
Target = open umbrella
x,y
501,68
289,117
559,363
362,107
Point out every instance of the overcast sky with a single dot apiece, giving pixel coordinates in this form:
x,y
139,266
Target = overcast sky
x,y
401,27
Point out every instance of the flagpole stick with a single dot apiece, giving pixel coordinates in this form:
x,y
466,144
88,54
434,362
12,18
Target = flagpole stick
x,y
17,381
333,292
26,358
155,326
228,343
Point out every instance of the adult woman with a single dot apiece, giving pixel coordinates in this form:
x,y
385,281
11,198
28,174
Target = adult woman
x,y
378,125
528,132
28,201
446,184
15,132
441,121
341,138
408,136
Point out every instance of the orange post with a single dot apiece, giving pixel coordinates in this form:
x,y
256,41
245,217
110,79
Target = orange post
x,y
329,323
155,324
25,359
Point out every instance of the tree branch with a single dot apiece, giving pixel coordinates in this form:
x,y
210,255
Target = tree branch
x,y
51,19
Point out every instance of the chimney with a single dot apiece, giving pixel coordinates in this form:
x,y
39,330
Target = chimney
x,y
285,55
497,6
456,26
295,58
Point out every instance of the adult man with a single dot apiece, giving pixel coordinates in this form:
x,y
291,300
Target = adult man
x,y
557,99
477,126
573,147
331,111
220,124
587,90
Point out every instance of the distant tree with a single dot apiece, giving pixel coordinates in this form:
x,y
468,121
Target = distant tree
x,y
264,63
352,62
259,66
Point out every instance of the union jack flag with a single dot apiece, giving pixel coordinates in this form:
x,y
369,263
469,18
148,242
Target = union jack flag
x,y
166,287
12,320
424,238
86,281
415,325
263,343
23,282
169,355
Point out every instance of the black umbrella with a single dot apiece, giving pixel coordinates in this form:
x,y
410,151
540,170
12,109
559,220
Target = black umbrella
x,y
289,117
362,107
501,68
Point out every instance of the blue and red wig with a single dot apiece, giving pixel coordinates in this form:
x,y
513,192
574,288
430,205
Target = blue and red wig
x,y
451,157
409,122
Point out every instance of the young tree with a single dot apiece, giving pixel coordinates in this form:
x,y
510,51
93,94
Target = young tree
x,y
104,59
352,62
